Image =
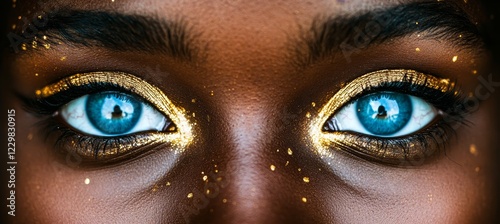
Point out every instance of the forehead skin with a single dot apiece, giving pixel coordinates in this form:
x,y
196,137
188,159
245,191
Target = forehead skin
x,y
245,85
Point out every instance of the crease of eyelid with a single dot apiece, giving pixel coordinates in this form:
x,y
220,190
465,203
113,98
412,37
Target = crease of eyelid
x,y
182,137
323,141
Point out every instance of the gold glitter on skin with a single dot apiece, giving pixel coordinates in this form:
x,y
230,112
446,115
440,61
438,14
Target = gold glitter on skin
x,y
179,139
313,104
324,143
454,59
190,195
417,49
168,184
63,58
290,152
473,150
304,199
87,181
205,178
306,179
272,167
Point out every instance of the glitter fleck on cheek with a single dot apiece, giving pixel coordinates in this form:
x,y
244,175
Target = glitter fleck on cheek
x,y
272,167
455,58
290,152
304,199
190,195
473,150
87,181
306,179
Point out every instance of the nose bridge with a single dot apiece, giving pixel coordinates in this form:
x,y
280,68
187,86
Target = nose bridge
x,y
248,191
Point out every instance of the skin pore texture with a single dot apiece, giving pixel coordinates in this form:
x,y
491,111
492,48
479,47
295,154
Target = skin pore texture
x,y
250,98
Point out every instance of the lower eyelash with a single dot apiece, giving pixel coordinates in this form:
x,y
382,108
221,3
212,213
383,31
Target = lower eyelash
x,y
89,150
406,151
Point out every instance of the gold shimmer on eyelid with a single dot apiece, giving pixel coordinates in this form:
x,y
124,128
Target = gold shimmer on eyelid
x,y
324,142
179,139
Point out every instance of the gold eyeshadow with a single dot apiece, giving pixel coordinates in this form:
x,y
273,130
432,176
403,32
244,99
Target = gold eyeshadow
x,y
178,139
325,143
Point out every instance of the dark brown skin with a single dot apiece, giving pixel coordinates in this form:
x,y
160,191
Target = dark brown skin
x,y
247,66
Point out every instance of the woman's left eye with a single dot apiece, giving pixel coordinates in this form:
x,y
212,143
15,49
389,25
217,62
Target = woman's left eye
x,y
383,114
112,113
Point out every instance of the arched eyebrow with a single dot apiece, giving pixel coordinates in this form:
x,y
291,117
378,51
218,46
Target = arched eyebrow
x,y
348,35
115,31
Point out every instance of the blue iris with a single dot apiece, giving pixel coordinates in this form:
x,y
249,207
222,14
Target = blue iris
x,y
113,112
384,113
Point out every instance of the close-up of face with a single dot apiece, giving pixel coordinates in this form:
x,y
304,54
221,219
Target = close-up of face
x,y
327,111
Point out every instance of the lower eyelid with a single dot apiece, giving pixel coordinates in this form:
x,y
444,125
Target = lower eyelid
x,y
408,151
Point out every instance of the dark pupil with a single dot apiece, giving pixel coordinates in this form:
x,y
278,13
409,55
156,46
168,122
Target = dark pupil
x,y
381,112
117,112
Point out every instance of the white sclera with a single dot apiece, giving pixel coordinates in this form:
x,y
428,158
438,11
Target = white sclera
x,y
75,115
423,113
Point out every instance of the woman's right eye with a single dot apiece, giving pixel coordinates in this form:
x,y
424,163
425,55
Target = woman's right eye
x,y
112,113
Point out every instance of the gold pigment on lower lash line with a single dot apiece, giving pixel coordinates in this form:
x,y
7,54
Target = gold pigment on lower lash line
x,y
181,138
322,141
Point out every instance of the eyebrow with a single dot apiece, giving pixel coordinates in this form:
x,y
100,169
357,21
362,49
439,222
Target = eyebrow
x,y
349,35
118,32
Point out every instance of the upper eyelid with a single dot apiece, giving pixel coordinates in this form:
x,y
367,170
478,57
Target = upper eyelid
x,y
134,85
372,81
